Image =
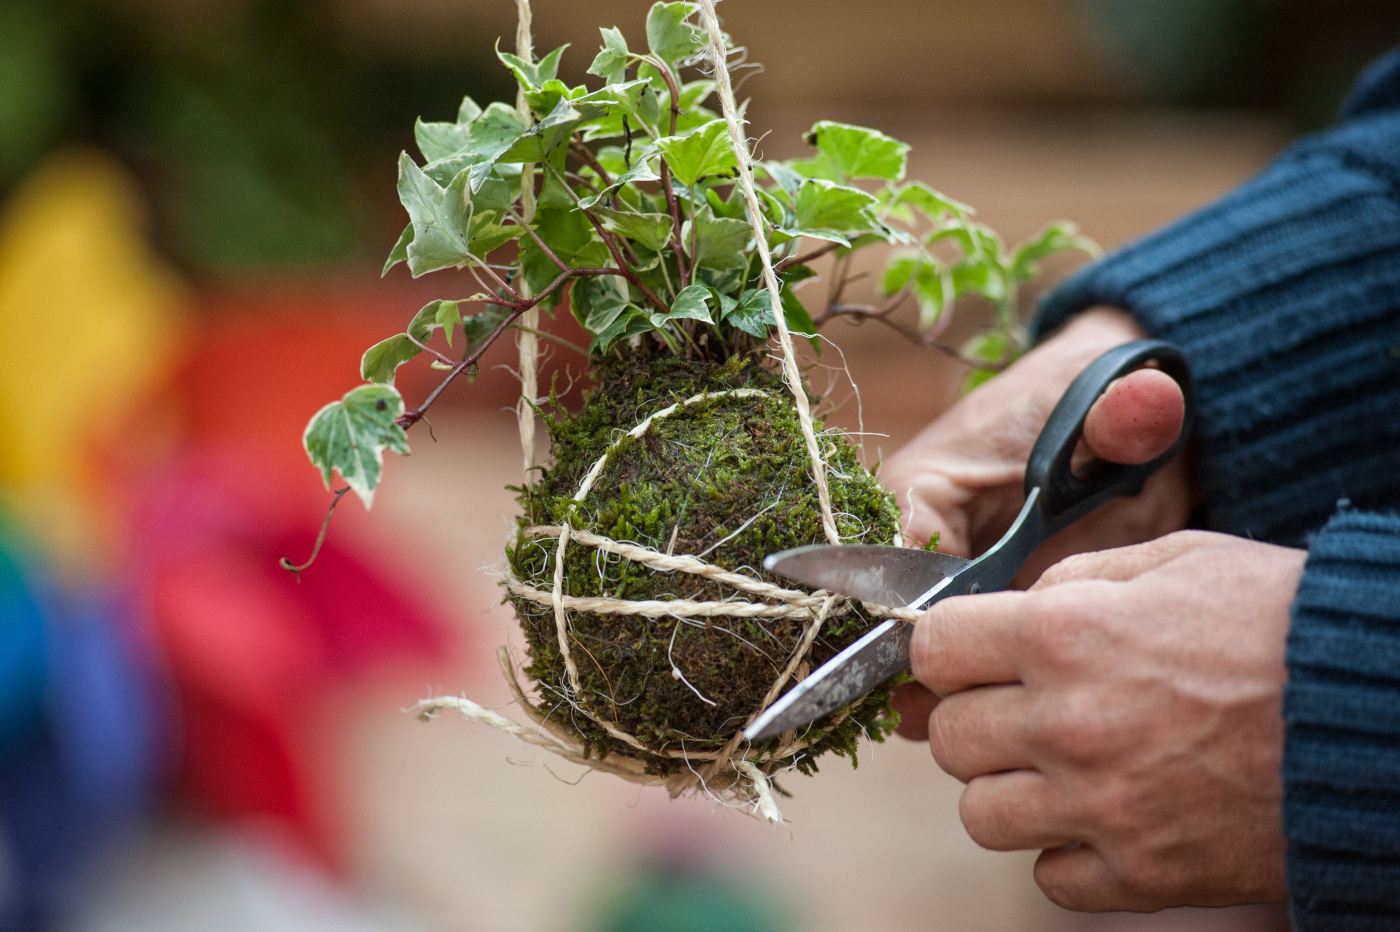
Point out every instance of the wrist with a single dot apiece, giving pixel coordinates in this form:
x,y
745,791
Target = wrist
x,y
1102,326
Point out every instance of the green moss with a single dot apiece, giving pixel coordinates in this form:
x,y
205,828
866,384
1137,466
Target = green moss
x,y
689,485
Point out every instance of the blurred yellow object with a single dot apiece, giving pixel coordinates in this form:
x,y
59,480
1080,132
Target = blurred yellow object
x,y
89,321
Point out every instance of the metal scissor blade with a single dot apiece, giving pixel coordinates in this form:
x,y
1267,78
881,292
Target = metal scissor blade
x,y
894,576
877,656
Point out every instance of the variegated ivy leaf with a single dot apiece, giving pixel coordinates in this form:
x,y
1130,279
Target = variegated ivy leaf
x,y
350,436
692,303
438,216
631,322
400,251
598,301
826,206
440,140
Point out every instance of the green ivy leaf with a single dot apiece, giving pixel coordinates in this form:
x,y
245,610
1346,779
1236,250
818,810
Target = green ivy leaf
x,y
532,75
753,314
438,216
610,63
826,206
702,152
670,34
640,171
477,327
381,360
924,280
649,229
534,145
350,436
1061,236
692,303
423,324
721,243
628,324
932,204
439,315
400,251
852,152
991,347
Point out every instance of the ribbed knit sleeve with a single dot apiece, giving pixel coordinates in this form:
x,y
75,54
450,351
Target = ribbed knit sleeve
x,y
1285,296
1341,765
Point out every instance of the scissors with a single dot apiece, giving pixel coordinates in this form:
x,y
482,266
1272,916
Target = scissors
x,y
1056,496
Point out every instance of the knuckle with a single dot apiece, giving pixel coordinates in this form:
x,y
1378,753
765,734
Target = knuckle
x,y
1147,882
947,731
1113,811
1061,626
1070,726
1073,567
1058,887
984,822
940,737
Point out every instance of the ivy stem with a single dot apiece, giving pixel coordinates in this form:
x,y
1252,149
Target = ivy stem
x,y
296,569
586,156
806,257
544,247
627,271
554,338
441,357
682,260
517,308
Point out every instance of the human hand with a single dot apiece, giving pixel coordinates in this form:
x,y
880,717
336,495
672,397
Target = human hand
x,y
961,478
1125,715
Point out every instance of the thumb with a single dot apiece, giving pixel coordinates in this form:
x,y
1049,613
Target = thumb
x,y
1137,419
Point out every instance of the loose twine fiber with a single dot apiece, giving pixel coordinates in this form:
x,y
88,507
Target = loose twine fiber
x,y
735,771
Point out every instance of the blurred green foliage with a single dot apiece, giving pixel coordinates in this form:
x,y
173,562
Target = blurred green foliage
x,y
254,126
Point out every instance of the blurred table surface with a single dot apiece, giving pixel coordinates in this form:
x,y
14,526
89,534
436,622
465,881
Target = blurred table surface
x,y
476,831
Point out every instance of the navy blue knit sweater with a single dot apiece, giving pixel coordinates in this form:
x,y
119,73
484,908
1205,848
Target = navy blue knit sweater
x,y
1286,297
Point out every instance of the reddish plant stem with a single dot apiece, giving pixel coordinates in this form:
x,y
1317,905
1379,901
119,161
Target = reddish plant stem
x,y
622,265
682,260
806,257
586,156
296,569
517,308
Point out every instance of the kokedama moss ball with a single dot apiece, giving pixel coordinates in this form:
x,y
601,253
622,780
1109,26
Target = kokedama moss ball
x,y
727,479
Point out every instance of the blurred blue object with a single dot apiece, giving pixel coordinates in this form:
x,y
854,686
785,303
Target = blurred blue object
x,y
86,738
21,649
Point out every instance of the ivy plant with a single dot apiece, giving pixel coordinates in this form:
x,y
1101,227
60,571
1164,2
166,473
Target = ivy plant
x,y
616,199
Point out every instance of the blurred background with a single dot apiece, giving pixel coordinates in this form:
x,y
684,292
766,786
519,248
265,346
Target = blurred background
x,y
195,199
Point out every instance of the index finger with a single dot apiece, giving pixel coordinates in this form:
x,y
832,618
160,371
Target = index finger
x,y
966,641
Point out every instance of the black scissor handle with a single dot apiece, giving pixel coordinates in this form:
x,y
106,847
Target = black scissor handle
x,y
1065,497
